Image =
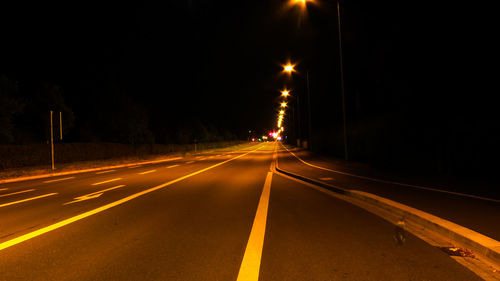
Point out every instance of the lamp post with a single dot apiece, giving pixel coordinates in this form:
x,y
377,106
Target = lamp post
x,y
303,4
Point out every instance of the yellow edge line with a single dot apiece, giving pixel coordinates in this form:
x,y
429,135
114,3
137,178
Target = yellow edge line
x,y
60,224
250,266
63,179
98,183
18,192
393,182
28,199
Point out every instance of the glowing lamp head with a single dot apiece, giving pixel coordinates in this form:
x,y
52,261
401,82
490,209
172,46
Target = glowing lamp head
x,y
283,104
288,68
285,93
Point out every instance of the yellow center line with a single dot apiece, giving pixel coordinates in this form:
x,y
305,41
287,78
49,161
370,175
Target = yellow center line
x,y
63,179
98,183
62,223
172,166
147,172
28,199
250,266
103,172
18,192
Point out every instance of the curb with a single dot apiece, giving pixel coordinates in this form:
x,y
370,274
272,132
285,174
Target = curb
x,y
482,245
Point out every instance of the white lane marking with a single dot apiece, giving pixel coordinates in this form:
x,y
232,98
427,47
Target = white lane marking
x,y
28,199
92,195
326,179
394,182
62,223
103,172
189,162
63,179
147,172
203,158
18,192
250,266
172,166
134,166
98,183
2,189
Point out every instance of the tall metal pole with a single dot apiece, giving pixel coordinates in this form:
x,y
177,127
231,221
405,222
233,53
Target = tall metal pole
x,y
309,111
298,119
346,155
52,138
60,125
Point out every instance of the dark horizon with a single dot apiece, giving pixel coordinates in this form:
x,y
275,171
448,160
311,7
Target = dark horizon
x,y
415,82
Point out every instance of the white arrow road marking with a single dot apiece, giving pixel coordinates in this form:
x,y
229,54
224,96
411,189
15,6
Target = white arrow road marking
x,y
92,195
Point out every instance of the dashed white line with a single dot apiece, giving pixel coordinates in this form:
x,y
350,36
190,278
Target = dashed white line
x,y
147,172
172,166
103,172
189,162
18,192
98,183
63,179
28,199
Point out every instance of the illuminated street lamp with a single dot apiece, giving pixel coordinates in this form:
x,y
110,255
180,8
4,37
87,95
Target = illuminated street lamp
x,y
285,93
283,104
282,112
289,68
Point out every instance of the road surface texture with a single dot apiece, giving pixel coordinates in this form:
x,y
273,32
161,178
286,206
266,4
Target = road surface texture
x,y
479,213
216,216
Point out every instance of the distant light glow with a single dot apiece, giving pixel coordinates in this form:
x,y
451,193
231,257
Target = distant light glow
x,y
279,138
285,93
289,67
283,104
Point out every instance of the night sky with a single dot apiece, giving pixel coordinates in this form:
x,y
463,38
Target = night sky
x,y
416,74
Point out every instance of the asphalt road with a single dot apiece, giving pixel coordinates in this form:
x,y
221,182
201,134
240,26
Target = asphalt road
x,y
466,209
218,216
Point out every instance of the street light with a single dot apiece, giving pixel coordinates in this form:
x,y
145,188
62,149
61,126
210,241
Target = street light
x,y
285,93
289,68
283,104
